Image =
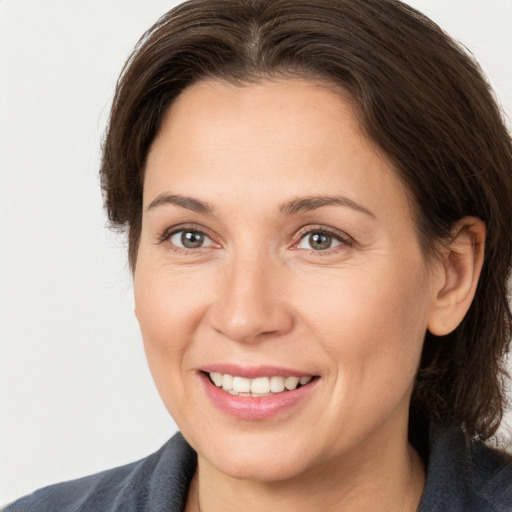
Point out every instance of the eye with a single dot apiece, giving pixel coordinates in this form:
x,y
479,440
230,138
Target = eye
x,y
318,241
190,239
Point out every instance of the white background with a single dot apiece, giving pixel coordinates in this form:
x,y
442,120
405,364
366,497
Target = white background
x,y
75,392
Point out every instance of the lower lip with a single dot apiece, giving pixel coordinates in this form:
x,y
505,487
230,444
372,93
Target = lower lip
x,y
255,408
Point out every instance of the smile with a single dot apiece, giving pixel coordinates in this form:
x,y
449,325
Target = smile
x,y
258,387
259,393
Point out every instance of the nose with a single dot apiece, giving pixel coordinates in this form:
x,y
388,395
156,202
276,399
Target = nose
x,y
251,302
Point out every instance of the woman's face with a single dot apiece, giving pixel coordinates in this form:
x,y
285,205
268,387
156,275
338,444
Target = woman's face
x,y
277,243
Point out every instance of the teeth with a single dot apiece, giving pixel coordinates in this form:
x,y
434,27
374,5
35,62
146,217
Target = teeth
x,y
217,378
227,382
241,385
276,384
261,386
291,382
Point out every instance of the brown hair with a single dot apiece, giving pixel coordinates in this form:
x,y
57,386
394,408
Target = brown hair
x,y
420,97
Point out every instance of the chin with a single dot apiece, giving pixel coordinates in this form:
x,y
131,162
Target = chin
x,y
265,457
260,467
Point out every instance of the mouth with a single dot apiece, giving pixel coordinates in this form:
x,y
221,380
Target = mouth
x,y
258,387
256,393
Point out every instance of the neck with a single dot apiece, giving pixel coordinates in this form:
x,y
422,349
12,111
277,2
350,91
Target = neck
x,y
389,479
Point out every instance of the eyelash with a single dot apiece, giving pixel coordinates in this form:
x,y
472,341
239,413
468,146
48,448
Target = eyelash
x,y
342,238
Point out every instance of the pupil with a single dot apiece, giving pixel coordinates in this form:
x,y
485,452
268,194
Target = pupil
x,y
320,241
192,239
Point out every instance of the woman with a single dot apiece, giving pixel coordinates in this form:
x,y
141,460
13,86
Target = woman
x,y
318,201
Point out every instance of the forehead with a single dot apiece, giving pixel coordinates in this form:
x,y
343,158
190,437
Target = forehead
x,y
295,136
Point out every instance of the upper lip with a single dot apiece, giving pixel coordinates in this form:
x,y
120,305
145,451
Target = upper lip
x,y
253,372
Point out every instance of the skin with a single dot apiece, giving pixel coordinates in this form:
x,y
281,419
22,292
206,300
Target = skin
x,y
257,293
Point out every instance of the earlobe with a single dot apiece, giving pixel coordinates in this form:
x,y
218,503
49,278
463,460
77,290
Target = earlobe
x,y
461,266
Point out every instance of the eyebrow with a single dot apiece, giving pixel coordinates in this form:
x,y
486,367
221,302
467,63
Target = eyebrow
x,y
301,204
185,202
304,204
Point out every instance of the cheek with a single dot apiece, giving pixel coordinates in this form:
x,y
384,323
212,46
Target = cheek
x,y
168,304
163,320
372,323
168,309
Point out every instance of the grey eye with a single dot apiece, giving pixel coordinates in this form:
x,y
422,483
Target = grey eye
x,y
318,241
190,239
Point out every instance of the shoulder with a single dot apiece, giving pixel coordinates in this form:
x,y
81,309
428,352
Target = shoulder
x,y
491,473
465,475
153,483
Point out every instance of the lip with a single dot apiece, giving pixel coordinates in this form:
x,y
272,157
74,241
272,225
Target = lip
x,y
255,408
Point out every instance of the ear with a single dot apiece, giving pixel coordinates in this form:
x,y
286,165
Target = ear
x,y
459,271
